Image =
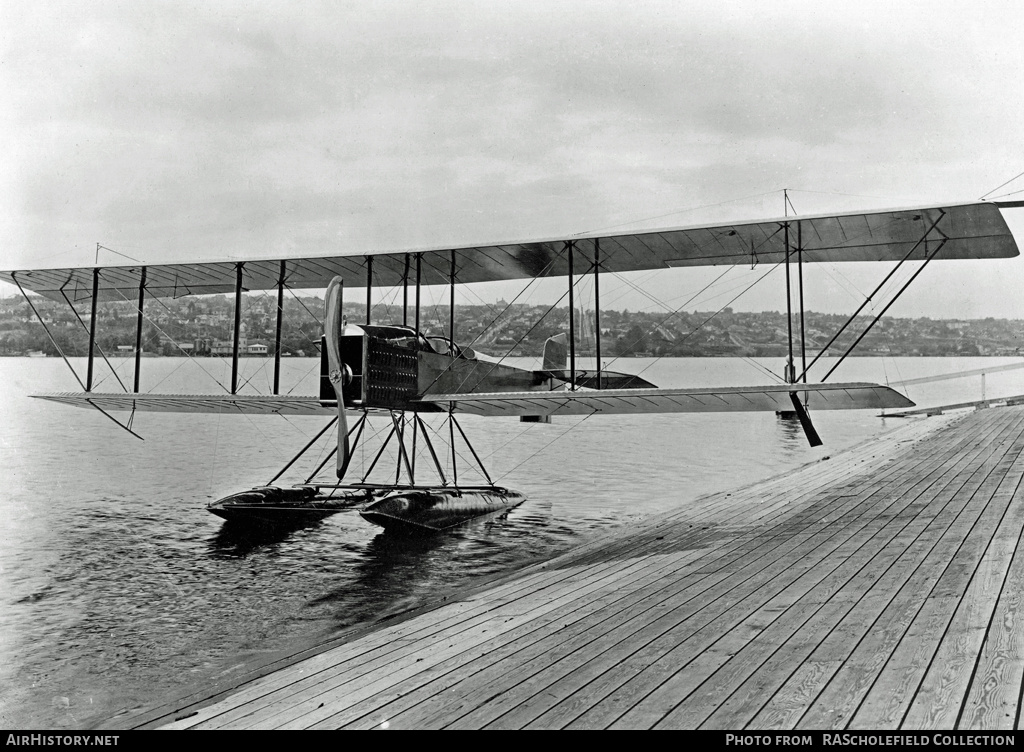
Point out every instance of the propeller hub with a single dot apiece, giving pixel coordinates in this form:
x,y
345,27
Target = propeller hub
x,y
342,376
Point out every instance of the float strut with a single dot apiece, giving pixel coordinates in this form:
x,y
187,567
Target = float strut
x,y
304,449
433,454
471,449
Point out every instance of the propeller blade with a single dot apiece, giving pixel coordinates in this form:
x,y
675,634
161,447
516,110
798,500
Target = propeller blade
x,y
336,373
805,421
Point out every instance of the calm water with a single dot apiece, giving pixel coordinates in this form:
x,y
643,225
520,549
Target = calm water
x,y
118,589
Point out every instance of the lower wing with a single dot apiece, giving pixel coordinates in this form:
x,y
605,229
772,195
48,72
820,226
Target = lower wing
x,y
631,401
586,402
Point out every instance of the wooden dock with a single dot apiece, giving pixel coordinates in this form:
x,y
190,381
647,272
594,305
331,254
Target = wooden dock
x,y
881,588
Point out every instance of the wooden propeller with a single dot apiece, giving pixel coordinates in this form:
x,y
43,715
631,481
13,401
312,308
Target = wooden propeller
x,y
333,323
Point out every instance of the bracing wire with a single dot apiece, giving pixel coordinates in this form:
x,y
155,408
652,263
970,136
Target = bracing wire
x,y
673,213
982,198
1011,193
185,352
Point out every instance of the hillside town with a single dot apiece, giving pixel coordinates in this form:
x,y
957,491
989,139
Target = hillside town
x,y
202,326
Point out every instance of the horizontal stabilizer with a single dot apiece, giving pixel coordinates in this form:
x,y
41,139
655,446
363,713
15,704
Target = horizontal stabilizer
x,y
195,403
556,353
636,401
608,379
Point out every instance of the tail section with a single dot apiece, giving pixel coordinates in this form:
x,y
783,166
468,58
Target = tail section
x,y
556,353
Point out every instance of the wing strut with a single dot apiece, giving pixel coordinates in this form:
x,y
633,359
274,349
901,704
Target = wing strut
x,y
277,330
239,270
887,306
66,361
92,326
90,330
923,238
597,307
570,247
138,329
798,406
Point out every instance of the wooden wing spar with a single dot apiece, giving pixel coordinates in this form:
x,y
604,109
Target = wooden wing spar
x,y
509,404
967,231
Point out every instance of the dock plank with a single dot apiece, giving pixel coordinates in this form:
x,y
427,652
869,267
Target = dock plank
x,y
859,661
876,589
939,700
653,667
894,688
897,599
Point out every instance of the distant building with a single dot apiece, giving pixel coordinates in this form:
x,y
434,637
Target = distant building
x,y
226,346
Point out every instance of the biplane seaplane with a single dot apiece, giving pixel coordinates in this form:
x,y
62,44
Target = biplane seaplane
x,y
397,373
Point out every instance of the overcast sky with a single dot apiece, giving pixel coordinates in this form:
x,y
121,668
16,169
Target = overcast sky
x,y
175,130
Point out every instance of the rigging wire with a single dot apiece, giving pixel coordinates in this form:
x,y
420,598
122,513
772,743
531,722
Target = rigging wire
x,y
672,213
494,365
103,355
311,314
522,292
982,197
1011,193
679,310
560,436
850,195
122,255
299,382
185,352
713,315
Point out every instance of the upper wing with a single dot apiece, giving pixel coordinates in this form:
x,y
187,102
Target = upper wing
x,y
631,401
609,402
973,230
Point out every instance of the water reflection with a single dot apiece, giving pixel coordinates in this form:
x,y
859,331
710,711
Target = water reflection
x,y
237,540
790,432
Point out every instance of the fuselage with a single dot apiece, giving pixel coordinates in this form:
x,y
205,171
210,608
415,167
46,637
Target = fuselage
x,y
394,367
